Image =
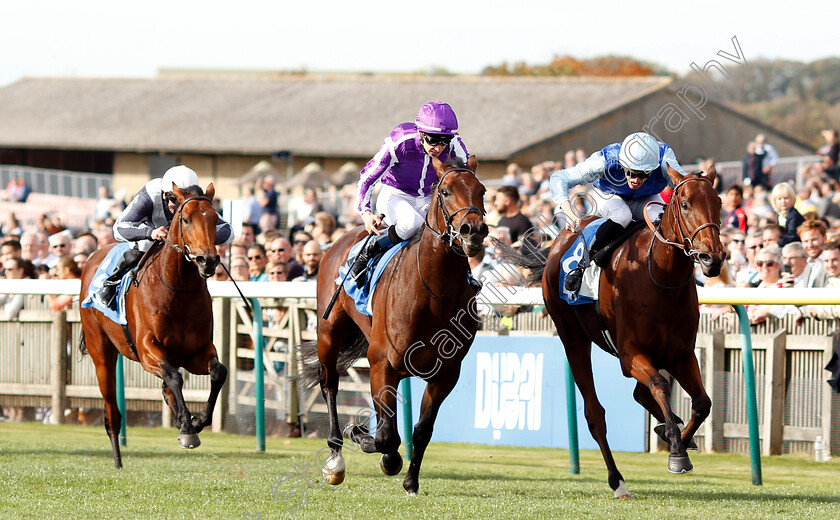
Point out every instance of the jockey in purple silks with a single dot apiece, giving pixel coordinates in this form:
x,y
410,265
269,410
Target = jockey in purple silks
x,y
404,166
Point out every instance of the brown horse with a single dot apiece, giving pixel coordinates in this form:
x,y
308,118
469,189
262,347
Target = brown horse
x,y
169,315
423,291
648,304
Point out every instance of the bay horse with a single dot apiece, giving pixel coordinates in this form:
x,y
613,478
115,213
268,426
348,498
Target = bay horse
x,y
422,292
648,304
169,318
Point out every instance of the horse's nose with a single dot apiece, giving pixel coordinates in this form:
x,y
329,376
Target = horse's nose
x,y
705,258
208,261
469,229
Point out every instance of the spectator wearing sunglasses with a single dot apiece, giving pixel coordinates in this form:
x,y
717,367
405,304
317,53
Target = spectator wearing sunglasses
x,y
769,263
625,176
404,167
280,250
257,261
147,218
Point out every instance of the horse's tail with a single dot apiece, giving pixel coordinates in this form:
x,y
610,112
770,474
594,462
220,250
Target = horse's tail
x,y
531,258
82,343
355,346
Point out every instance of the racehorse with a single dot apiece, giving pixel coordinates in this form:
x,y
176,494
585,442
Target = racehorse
x,y
169,318
648,304
422,293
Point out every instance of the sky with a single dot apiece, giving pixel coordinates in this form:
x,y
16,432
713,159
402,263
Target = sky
x,y
97,38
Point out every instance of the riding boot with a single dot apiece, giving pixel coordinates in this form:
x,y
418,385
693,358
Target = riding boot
x,y
608,232
375,247
109,286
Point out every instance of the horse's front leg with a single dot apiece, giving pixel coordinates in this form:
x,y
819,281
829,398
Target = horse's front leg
x,y
434,395
639,367
688,376
218,376
383,387
173,384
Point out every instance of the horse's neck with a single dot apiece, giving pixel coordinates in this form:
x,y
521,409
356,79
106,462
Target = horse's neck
x,y
174,269
668,258
438,261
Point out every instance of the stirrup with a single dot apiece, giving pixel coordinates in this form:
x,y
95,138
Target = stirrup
x,y
574,279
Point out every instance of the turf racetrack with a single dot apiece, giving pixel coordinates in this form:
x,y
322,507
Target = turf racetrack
x,y
67,472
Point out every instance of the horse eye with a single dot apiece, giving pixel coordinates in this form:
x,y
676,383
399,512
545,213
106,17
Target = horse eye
x,y
444,192
184,220
684,205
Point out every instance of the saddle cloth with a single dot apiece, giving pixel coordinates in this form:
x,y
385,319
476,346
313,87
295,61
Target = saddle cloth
x,y
591,275
105,269
363,296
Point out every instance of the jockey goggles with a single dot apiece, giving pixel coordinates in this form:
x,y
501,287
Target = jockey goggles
x,y
436,139
635,173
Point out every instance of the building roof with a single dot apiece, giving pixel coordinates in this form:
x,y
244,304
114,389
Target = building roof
x,y
319,116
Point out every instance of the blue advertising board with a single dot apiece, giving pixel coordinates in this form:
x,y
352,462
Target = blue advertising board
x,y
512,392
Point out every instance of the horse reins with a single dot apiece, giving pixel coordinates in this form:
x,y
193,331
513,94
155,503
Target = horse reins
x,y
687,241
450,235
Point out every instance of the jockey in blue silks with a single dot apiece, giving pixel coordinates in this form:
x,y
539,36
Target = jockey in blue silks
x,y
147,219
404,167
625,177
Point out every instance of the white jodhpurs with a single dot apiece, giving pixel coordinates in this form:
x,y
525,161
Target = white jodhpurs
x,y
403,211
621,211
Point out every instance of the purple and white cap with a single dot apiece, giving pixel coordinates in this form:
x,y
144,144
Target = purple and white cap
x,y
437,118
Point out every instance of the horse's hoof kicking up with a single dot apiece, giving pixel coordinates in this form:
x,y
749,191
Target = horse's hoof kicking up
x,y
189,441
679,464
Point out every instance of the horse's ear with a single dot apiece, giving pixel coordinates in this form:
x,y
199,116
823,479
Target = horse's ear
x,y
711,174
439,167
472,163
676,177
179,193
210,192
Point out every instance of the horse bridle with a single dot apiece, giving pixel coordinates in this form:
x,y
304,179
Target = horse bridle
x,y
450,234
687,242
178,212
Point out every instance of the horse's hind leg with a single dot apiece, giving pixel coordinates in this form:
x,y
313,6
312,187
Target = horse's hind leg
x,y
432,399
334,468
104,356
645,373
579,351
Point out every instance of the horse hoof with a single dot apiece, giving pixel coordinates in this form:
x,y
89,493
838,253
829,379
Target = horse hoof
x,y
391,463
621,491
680,464
189,440
333,470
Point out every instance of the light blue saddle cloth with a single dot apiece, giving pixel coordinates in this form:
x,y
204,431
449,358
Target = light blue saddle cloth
x,y
363,296
105,269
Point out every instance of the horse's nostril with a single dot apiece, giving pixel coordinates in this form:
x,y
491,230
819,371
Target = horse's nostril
x,y
466,229
483,230
705,258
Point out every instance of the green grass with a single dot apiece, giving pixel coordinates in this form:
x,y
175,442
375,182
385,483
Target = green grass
x,y
67,472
